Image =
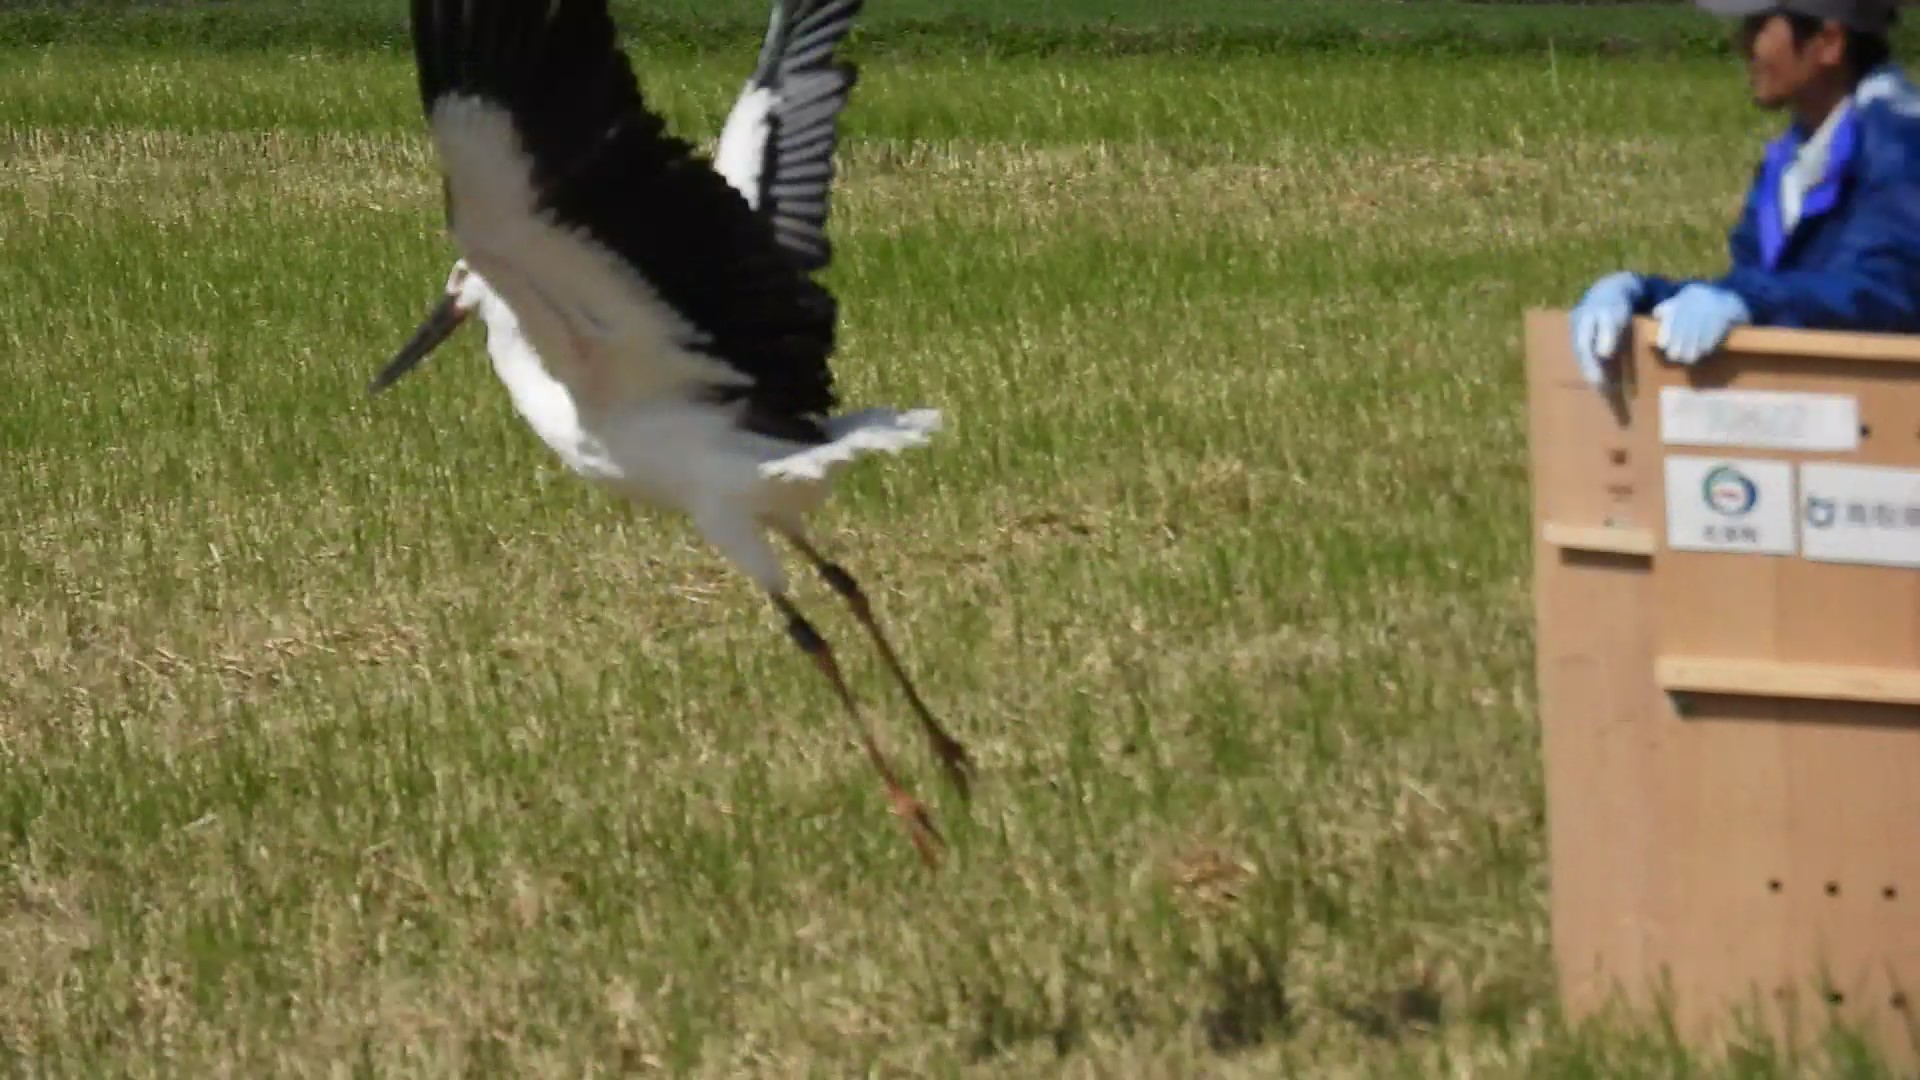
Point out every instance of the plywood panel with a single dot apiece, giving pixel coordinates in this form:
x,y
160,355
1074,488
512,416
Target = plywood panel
x,y
1773,678
1592,600
1759,829
1587,475
1762,607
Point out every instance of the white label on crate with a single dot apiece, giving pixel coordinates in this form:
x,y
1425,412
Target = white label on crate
x,y
1861,514
1730,505
1763,419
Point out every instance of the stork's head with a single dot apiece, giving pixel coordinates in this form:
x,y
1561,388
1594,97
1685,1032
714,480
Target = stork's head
x,y
464,290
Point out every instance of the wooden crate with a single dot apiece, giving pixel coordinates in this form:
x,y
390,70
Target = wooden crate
x,y
1732,735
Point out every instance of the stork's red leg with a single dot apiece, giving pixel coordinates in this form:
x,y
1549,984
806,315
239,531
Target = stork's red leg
x,y
910,810
953,757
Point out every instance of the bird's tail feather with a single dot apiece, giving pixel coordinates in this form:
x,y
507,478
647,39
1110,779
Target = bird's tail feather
x,y
853,434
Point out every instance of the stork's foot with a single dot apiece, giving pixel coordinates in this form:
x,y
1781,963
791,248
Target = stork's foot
x,y
919,825
954,759
911,812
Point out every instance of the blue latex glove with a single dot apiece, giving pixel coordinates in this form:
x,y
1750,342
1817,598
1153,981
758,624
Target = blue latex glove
x,y
1599,320
1696,320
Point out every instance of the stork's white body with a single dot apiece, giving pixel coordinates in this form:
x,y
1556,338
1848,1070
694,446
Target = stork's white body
x,y
681,454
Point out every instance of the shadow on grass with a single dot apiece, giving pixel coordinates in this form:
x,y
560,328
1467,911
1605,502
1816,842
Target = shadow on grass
x,y
1245,1006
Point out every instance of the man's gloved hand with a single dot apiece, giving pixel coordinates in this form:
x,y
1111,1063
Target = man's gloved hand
x,y
1600,319
1696,320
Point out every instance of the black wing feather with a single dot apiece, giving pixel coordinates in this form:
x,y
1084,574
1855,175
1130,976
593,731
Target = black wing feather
x,y
796,171
603,163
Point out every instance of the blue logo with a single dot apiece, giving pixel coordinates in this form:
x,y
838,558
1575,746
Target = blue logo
x,y
1728,491
1821,512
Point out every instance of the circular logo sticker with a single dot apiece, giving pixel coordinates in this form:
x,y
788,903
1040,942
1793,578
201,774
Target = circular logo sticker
x,y
1821,512
1728,491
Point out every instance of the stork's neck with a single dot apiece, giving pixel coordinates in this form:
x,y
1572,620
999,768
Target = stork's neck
x,y
493,310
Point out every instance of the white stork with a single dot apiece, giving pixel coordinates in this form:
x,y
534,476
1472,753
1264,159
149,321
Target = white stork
x,y
653,317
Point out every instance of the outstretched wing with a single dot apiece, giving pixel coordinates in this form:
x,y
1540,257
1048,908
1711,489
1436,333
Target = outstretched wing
x,y
777,146
615,245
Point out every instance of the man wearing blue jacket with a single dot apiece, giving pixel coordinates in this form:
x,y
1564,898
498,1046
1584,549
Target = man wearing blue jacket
x,y
1830,235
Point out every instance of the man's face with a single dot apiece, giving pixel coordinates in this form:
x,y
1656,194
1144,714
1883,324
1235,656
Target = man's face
x,y
1780,68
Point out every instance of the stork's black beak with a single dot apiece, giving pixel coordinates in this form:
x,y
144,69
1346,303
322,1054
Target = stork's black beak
x,y
440,324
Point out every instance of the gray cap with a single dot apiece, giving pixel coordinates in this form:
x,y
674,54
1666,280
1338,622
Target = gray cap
x,y
1872,16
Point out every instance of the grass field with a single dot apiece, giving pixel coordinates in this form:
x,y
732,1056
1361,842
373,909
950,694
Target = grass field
x,y
1000,27
356,734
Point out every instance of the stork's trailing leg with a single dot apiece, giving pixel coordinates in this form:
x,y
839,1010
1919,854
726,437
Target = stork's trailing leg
x,y
953,757
919,825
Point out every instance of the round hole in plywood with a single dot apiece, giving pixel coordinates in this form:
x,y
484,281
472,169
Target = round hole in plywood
x,y
1773,885
1898,1000
1833,888
1890,892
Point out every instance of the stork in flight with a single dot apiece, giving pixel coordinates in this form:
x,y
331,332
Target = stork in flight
x,y
654,317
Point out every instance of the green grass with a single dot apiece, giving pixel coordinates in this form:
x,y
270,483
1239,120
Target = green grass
x,y
933,27
349,732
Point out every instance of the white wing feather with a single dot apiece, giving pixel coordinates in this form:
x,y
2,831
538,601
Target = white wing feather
x,y
597,324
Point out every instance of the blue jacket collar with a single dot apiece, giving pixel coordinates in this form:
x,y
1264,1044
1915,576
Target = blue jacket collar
x,y
1820,196
1888,85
